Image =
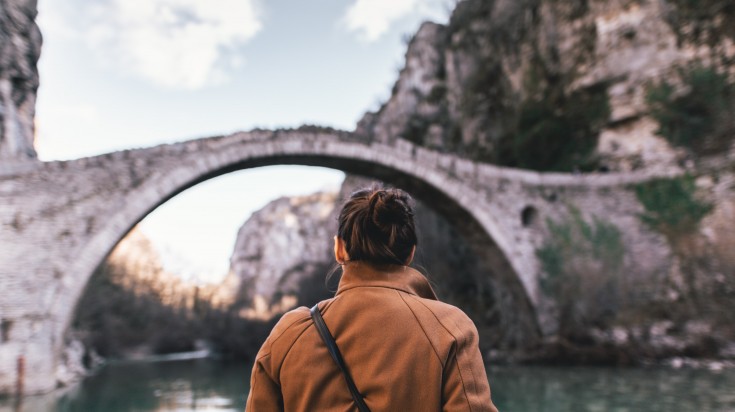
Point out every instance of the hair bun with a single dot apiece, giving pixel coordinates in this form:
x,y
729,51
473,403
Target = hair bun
x,y
377,225
388,207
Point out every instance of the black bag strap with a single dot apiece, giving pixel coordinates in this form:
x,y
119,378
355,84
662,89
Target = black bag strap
x,y
337,356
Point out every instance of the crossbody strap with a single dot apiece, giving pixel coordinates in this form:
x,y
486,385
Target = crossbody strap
x,y
337,356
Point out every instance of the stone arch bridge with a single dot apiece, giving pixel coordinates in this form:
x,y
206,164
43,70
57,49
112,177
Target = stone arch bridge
x,y
59,220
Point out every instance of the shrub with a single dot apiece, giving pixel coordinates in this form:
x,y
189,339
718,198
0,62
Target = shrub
x,y
698,17
582,263
557,133
671,205
437,94
416,129
699,118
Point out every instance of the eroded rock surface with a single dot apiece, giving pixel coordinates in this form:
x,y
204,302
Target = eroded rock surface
x,y
20,48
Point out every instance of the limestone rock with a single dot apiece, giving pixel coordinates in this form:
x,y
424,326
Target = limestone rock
x,y
506,71
279,246
20,48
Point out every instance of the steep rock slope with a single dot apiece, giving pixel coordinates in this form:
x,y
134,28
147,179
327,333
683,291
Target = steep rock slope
x,y
279,248
555,85
20,48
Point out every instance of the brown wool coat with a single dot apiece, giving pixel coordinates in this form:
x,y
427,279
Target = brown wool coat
x,y
406,351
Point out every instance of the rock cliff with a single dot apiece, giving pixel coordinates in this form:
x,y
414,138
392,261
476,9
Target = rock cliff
x,y
20,48
557,85
278,248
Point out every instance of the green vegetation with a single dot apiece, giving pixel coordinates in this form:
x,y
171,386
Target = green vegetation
x,y
700,118
671,205
416,128
698,16
437,94
583,265
551,129
545,127
557,133
115,317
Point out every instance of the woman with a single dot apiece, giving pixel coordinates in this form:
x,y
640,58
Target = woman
x,y
404,350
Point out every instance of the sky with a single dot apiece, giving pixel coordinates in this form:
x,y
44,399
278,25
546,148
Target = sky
x,y
119,74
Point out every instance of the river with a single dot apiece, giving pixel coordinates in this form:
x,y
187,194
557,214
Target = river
x,y
208,385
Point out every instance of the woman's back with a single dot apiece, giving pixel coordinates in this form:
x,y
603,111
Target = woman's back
x,y
406,351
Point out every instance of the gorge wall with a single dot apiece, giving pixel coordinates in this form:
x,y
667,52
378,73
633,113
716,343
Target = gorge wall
x,y
20,48
555,85
280,248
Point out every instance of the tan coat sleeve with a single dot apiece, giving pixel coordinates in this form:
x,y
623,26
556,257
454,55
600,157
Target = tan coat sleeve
x,y
265,389
265,393
465,386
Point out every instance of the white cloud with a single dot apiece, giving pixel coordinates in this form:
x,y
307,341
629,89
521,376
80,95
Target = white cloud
x,y
173,43
370,19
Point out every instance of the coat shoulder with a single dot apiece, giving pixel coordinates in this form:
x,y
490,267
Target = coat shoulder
x,y
286,331
445,325
451,318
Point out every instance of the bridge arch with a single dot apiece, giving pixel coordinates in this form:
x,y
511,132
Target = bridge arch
x,y
165,171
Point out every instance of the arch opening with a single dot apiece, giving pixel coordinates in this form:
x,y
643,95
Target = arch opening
x,y
529,217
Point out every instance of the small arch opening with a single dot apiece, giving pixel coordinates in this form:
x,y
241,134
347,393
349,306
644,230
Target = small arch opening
x,y
529,216
5,326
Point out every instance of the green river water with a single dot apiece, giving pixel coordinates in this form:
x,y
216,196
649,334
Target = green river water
x,y
208,385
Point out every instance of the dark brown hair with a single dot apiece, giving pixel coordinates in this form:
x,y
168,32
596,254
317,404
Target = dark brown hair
x,y
377,225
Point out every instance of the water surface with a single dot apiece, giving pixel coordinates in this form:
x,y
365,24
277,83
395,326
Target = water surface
x,y
207,385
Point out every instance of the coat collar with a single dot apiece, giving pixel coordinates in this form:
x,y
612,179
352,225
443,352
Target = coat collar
x,y
404,278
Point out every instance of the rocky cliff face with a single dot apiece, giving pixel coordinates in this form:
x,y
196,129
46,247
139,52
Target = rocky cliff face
x,y
280,247
556,85
20,48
